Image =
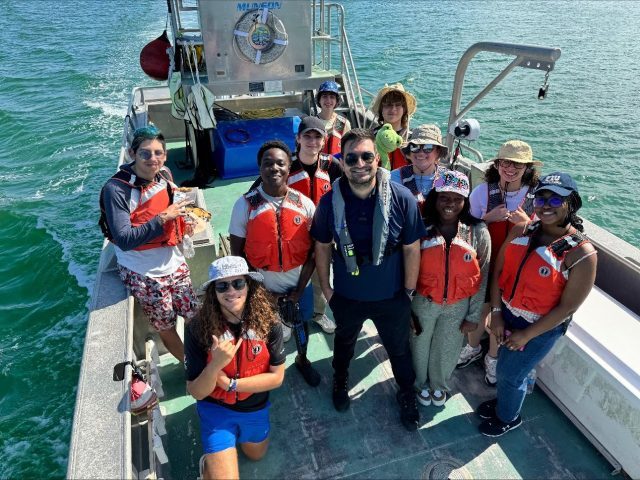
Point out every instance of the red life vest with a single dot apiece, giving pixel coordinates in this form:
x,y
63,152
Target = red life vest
x,y
532,280
448,275
499,230
397,160
154,198
252,358
314,187
333,144
277,242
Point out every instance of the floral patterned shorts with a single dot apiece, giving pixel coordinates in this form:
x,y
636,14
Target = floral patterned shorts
x,y
162,298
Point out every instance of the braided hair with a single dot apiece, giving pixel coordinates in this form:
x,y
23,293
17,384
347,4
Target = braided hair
x,y
574,203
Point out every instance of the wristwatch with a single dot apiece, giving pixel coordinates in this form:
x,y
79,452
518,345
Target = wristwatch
x,y
233,384
411,292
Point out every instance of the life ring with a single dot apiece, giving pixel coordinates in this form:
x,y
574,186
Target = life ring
x,y
260,36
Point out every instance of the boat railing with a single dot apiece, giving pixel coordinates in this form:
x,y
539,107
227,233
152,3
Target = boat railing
x,y
527,56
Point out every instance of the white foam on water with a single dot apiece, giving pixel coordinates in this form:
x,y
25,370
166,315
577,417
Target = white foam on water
x,y
107,109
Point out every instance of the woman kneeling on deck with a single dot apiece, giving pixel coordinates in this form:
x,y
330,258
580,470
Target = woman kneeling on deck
x,y
454,263
543,273
234,355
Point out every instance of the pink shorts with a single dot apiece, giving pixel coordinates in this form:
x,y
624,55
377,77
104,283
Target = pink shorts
x,y
162,298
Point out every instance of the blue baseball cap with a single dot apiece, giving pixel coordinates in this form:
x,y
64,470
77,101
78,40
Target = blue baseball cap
x,y
558,182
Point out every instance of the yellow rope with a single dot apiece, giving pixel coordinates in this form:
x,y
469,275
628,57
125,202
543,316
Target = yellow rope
x,y
263,113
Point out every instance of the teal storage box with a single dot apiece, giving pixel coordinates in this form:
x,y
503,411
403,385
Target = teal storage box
x,y
236,143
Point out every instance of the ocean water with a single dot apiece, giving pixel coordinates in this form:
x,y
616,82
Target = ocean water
x,y
66,72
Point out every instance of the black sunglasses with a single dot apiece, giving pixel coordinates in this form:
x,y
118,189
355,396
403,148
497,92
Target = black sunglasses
x,y
237,284
554,201
351,159
426,148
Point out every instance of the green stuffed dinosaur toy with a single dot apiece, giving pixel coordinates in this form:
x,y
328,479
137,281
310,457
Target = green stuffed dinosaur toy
x,y
387,140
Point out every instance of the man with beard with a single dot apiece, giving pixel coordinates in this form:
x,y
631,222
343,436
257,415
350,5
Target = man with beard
x,y
371,228
270,228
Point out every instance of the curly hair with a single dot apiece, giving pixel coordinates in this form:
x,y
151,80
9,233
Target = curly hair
x,y
431,217
530,176
393,97
268,145
259,314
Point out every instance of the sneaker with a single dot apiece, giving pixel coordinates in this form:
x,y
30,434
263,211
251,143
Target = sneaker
x,y
468,355
495,427
310,375
409,415
490,370
424,397
438,397
142,396
341,398
327,325
286,333
487,409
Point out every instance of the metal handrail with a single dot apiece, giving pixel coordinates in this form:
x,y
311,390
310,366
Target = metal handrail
x,y
527,56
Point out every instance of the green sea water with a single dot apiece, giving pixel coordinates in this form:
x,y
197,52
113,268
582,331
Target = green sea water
x,y
66,71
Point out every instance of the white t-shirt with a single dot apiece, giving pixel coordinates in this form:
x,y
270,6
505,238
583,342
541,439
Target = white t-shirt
x,y
154,262
479,199
276,282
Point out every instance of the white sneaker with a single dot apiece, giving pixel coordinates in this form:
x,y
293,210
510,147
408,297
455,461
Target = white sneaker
x,y
438,397
286,333
468,355
328,325
424,397
490,370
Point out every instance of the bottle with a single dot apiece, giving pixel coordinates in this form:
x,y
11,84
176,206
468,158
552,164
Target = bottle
x,y
531,381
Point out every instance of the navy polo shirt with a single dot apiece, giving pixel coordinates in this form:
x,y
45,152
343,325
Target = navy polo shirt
x,y
373,283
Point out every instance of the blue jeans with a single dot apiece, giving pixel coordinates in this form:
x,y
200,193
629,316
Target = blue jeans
x,y
514,366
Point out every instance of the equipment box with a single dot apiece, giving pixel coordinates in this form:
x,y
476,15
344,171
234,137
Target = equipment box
x,y
236,143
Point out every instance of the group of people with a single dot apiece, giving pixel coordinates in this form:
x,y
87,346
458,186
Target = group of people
x,y
413,249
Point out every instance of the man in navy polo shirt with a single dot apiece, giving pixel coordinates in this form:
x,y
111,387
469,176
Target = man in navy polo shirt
x,y
371,228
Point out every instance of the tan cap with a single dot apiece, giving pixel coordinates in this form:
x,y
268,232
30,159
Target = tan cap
x,y
516,151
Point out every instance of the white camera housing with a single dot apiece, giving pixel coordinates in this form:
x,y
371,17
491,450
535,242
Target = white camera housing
x,y
466,129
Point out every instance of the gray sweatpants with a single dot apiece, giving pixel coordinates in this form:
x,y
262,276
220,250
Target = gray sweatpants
x,y
436,350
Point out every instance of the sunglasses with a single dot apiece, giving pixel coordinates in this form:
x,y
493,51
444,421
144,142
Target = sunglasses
x,y
237,284
147,154
510,164
426,148
350,159
554,201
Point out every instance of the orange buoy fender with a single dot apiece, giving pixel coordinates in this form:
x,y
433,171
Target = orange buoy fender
x,y
154,59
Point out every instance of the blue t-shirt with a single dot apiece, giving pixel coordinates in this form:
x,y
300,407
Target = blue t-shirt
x,y
373,283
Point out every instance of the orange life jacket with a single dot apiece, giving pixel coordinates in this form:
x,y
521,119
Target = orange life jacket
x,y
155,197
448,275
334,139
252,358
397,160
532,280
499,230
277,242
314,187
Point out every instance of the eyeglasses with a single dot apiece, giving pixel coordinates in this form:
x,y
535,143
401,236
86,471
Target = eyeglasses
x,y
147,154
393,105
237,284
351,159
426,148
510,164
554,201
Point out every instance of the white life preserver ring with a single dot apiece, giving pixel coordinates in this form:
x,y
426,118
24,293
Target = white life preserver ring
x,y
260,37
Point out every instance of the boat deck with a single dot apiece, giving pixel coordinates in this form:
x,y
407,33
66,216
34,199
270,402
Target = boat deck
x,y
309,439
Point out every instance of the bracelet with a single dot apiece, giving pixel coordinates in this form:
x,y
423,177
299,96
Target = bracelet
x,y
233,385
496,309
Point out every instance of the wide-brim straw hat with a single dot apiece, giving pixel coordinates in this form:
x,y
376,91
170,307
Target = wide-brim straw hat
x,y
516,151
397,87
426,134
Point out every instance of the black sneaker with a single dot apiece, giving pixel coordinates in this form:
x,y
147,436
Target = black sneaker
x,y
341,398
495,427
409,415
308,372
487,409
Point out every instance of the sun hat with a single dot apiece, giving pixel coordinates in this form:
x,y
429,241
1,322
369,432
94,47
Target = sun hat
x,y
328,87
516,151
557,182
424,134
451,181
396,87
312,123
229,266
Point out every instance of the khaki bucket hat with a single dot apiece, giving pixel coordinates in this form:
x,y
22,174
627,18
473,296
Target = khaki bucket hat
x,y
425,134
397,87
516,151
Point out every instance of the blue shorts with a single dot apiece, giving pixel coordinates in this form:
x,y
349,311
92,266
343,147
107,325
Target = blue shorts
x,y
222,428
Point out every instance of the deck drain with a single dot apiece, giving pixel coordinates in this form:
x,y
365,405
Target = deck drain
x,y
446,469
